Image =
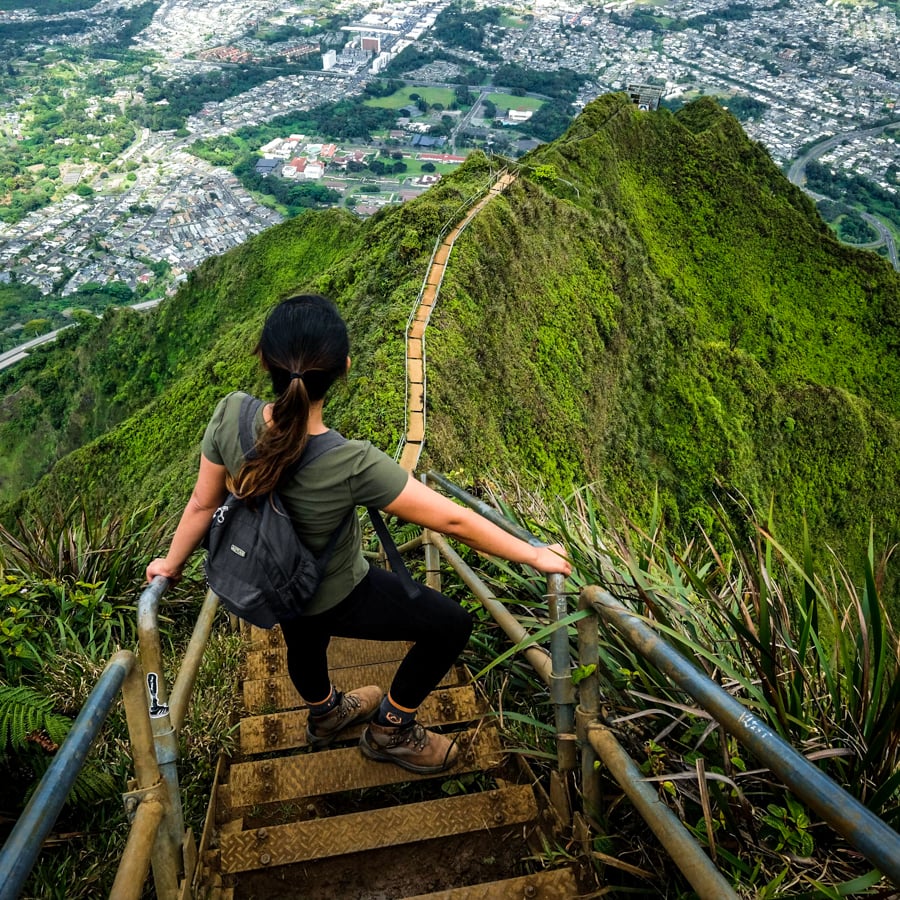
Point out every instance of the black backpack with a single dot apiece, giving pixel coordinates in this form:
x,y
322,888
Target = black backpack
x,y
256,562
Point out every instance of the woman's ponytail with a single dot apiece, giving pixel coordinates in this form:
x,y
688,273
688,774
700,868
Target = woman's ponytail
x,y
304,346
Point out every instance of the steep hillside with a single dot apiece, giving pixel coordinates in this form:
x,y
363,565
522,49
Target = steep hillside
x,y
651,303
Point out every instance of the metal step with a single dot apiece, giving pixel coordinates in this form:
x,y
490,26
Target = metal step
x,y
342,654
353,832
287,730
328,772
556,884
277,692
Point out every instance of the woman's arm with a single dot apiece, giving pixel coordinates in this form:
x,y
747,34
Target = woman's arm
x,y
207,496
420,504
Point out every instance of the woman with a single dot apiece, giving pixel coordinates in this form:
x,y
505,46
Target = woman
x,y
304,347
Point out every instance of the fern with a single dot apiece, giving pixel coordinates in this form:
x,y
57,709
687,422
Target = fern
x,y
24,711
33,731
92,785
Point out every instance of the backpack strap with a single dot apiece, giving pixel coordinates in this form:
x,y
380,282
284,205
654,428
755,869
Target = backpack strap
x,y
316,448
412,589
249,408
328,441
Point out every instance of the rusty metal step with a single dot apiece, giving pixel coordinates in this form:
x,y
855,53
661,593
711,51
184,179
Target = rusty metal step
x,y
555,884
342,654
329,772
371,830
287,730
277,692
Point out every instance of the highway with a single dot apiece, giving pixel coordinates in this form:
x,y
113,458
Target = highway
x,y
10,357
17,354
797,176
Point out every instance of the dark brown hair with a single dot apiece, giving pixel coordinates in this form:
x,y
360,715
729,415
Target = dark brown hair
x,y
304,347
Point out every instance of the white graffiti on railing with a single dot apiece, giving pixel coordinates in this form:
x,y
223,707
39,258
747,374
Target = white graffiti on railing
x,y
156,709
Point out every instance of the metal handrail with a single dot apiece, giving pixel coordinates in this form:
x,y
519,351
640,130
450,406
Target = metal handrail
x,y
559,678
21,850
157,834
879,843
556,671
166,719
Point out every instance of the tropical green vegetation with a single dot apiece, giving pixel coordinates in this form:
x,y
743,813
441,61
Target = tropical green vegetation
x,y
775,631
560,83
21,305
651,310
67,603
853,190
745,108
464,29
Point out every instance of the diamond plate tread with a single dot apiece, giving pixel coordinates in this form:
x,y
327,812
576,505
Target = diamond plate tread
x,y
556,884
375,829
316,774
287,730
270,694
343,654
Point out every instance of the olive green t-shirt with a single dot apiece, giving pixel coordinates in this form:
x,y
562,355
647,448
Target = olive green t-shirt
x,y
319,495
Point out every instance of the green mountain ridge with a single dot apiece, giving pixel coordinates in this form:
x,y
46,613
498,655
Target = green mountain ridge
x,y
650,305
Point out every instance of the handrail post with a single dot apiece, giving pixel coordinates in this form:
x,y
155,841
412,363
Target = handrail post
x,y
588,710
167,852
190,664
432,561
432,554
562,691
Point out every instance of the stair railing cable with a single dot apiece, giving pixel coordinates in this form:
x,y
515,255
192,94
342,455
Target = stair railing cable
x,y
867,833
157,835
448,226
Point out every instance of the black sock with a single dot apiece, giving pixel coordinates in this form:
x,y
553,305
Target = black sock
x,y
392,715
326,706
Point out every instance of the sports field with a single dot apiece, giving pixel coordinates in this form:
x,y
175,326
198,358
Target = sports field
x,y
400,98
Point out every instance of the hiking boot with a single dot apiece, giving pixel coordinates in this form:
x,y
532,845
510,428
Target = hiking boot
x,y
354,706
409,746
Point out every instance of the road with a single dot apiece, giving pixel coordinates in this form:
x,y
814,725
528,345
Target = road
x,y
797,175
17,354
10,357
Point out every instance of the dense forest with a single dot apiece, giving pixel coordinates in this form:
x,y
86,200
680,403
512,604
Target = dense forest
x,y
652,307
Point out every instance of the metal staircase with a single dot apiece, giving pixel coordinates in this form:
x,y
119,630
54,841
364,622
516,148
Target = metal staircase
x,y
290,822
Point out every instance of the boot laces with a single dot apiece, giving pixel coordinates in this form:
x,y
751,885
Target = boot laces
x,y
413,734
348,703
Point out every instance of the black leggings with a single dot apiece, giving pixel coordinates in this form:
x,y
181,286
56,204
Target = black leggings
x,y
378,609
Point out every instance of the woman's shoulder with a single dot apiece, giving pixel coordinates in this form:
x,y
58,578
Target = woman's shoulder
x,y
232,402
